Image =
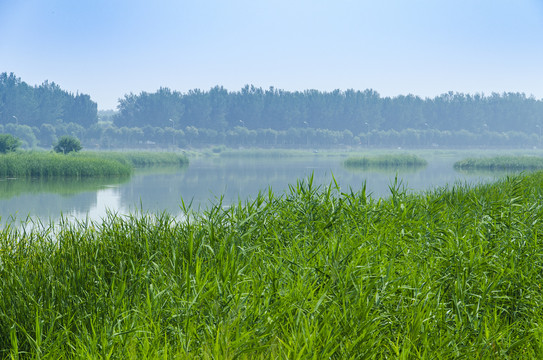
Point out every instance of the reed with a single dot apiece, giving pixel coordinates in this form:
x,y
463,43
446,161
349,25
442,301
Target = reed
x,y
147,158
385,161
510,163
48,164
318,272
83,164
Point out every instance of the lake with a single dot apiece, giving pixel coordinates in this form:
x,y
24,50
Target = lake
x,y
204,181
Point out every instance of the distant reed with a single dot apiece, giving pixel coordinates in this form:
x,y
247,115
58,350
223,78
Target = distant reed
x,y
385,161
513,163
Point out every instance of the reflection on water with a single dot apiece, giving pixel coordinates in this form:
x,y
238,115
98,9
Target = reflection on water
x,y
203,182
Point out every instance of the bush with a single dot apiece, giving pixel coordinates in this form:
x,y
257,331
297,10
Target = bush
x,y
67,144
8,143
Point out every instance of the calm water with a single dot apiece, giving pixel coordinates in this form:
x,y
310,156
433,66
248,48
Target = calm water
x,y
203,182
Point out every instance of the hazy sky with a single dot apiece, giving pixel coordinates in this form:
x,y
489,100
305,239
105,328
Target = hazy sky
x,y
108,48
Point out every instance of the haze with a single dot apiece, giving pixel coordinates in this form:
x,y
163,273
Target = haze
x,y
110,48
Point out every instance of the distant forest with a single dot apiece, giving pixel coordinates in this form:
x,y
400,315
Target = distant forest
x,y
269,118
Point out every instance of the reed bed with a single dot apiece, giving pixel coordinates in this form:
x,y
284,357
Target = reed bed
x,y
49,164
385,161
147,158
504,163
315,273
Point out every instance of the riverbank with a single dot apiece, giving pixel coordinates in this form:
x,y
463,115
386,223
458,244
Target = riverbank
x,y
452,272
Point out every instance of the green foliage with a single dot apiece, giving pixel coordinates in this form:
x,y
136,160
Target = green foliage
x,y
316,273
67,144
385,161
143,159
501,163
44,164
8,143
357,111
33,106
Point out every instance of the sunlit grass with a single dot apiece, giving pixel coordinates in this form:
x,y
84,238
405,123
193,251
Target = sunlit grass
x,y
320,272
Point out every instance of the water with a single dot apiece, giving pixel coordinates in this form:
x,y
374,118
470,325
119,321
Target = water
x,y
203,182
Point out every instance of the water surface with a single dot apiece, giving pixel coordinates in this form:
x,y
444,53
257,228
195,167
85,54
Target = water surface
x,y
206,180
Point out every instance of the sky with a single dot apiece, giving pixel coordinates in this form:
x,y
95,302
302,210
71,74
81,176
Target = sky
x,y
110,48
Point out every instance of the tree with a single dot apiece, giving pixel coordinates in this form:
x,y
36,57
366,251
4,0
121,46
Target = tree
x,y
8,143
67,144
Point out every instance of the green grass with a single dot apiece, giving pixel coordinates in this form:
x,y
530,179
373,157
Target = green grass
x,y
385,161
514,163
266,153
83,164
49,164
146,158
315,273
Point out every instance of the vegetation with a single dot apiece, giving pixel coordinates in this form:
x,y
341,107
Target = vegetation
x,y
356,111
147,158
67,144
385,161
451,273
44,165
272,118
8,143
47,103
514,163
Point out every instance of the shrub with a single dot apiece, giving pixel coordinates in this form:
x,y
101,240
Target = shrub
x,y
8,143
67,144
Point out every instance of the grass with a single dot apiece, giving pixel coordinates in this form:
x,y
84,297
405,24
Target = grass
x,y
385,161
49,164
83,164
315,273
513,163
147,158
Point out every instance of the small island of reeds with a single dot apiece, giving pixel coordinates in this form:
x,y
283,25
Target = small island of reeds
x,y
41,164
497,163
314,273
385,161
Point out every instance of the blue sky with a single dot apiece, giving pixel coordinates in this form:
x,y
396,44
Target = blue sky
x,y
108,48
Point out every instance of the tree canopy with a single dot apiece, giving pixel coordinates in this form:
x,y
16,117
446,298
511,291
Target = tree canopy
x,y
357,111
23,104
8,143
67,144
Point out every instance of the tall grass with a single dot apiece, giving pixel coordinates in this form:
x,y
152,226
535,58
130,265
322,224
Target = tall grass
x,y
515,163
147,158
316,273
83,164
385,161
46,164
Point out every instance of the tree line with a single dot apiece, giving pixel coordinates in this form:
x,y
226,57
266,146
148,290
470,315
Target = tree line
x,y
39,115
22,104
356,111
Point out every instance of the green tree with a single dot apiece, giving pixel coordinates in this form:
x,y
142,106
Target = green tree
x,y
67,144
8,143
